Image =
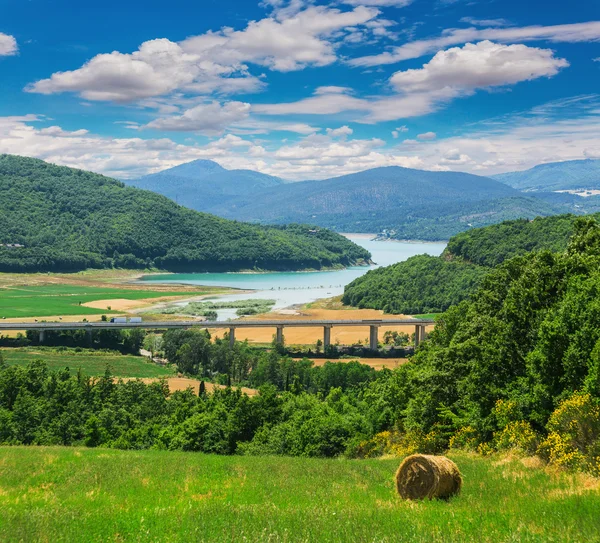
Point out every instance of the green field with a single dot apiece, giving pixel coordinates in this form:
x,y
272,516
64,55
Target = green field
x,y
52,300
91,362
74,494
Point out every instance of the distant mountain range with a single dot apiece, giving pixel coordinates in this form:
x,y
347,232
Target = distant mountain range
x,y
569,175
201,184
403,202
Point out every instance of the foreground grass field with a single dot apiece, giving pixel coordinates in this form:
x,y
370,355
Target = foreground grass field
x,y
68,494
51,300
92,363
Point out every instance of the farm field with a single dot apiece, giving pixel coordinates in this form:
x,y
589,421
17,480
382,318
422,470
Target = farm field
x,y
92,363
76,494
65,299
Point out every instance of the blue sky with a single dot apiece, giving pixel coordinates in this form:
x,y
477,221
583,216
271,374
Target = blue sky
x,y
298,88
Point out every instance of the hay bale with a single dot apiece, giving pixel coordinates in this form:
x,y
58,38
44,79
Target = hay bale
x,y
423,476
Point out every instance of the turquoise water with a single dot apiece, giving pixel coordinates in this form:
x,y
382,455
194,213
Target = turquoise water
x,y
292,288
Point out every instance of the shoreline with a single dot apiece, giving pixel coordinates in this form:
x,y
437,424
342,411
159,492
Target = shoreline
x,y
375,237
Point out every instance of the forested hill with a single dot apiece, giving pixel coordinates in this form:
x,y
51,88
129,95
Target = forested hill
x,y
63,219
425,284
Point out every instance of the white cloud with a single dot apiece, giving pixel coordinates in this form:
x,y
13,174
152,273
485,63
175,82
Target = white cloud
x,y
379,3
479,65
485,22
427,136
597,59
8,45
157,68
449,75
571,33
332,89
209,119
341,132
214,62
545,134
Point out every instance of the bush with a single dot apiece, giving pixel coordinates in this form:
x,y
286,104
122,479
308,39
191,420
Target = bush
x,y
574,434
517,436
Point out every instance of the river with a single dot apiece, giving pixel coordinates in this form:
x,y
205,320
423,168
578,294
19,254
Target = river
x,y
293,288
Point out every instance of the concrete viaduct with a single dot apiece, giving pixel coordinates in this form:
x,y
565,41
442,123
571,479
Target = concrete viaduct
x,y
279,325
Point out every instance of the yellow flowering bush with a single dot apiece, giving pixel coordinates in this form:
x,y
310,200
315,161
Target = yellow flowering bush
x,y
466,439
574,434
517,436
401,444
506,411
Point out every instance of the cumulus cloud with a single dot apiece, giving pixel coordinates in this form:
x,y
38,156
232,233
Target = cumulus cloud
x,y
158,67
478,65
396,133
214,61
8,45
341,132
570,33
427,136
545,134
449,75
210,118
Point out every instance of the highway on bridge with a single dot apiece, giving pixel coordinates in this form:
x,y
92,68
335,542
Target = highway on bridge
x,y
279,325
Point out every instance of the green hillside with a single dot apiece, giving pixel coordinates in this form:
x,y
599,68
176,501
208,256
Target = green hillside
x,y
424,284
63,219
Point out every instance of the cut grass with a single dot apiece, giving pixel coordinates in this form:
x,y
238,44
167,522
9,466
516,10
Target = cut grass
x,y
92,363
74,494
50,300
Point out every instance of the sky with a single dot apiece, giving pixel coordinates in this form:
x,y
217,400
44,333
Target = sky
x,y
301,89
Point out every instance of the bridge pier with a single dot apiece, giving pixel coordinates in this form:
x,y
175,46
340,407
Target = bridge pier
x,y
90,338
419,334
42,336
326,336
279,335
231,337
374,338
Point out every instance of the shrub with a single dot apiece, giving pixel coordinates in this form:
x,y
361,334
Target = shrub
x,y
517,436
467,439
574,434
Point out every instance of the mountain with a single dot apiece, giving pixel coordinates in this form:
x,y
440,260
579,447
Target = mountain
x,y
62,219
202,183
408,203
568,175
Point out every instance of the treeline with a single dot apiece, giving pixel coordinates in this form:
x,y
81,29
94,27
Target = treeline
x,y
194,353
421,284
63,219
425,284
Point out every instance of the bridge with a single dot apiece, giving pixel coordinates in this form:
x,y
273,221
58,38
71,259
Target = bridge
x,y
279,325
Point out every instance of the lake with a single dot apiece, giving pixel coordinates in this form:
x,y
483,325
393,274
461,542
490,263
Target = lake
x,y
293,288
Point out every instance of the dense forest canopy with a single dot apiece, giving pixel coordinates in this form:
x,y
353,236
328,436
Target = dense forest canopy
x,y
63,219
425,284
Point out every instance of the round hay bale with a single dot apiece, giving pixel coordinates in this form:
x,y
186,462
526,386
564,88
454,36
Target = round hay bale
x,y
423,476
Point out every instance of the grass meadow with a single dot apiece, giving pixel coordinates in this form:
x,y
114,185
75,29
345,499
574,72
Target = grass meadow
x,y
52,300
92,363
76,494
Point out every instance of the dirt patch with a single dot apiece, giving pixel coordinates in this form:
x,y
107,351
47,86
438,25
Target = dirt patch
x,y
116,304
183,383
377,363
